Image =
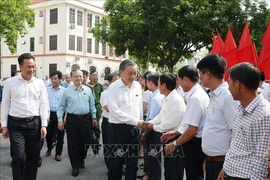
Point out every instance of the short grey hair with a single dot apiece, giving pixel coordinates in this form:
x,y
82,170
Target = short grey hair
x,y
125,63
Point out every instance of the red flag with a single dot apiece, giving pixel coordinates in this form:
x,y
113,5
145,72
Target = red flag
x,y
220,43
214,44
246,51
230,51
264,58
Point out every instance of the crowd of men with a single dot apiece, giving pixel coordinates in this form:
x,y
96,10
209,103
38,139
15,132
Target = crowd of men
x,y
221,133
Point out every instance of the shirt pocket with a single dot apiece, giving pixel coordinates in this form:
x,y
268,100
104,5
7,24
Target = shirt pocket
x,y
245,137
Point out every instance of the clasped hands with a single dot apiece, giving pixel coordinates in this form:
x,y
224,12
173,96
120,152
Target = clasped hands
x,y
142,125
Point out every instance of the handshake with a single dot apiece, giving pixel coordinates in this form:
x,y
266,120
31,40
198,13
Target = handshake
x,y
145,126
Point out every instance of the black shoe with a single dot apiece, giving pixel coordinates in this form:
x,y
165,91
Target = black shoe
x,y
39,162
75,172
82,165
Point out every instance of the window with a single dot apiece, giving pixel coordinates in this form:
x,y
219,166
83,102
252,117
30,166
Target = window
x,y
89,45
79,17
96,19
32,44
96,47
41,40
89,20
53,42
92,68
104,49
54,16
71,42
52,68
107,71
13,68
71,15
111,51
79,43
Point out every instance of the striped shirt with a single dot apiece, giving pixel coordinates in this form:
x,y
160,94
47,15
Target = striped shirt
x,y
55,96
250,140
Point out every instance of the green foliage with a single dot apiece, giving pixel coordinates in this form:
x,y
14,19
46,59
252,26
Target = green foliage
x,y
14,14
171,29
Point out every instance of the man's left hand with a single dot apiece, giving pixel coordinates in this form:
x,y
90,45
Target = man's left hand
x,y
169,148
94,123
43,132
221,175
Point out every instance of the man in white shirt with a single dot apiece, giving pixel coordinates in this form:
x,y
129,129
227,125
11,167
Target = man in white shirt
x,y
105,115
216,133
169,118
24,118
125,105
192,125
264,87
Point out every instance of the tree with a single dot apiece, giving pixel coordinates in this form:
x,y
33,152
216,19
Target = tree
x,y
171,29
14,15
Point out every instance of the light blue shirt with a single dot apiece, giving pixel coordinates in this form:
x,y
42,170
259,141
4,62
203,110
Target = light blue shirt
x,y
55,96
77,101
155,104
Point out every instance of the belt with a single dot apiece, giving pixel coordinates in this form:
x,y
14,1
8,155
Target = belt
x,y
28,119
79,116
215,158
123,125
226,177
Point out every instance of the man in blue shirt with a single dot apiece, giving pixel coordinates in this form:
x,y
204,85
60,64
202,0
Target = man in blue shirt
x,y
55,93
78,101
152,138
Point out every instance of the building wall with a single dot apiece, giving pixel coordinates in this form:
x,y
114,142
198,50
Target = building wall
x,y
63,57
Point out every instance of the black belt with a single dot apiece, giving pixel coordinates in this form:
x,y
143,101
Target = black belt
x,y
226,177
123,125
28,119
79,116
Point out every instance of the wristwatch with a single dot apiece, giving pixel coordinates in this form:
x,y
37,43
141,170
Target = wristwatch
x,y
174,143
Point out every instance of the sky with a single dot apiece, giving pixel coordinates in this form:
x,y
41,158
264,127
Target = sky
x,y
95,2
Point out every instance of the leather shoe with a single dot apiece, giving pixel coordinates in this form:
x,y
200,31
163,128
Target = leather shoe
x,y
82,165
48,152
58,158
75,172
39,162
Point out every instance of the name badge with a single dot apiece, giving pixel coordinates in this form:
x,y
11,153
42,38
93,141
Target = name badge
x,y
211,109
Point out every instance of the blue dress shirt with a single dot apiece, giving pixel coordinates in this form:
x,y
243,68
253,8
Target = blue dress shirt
x,y
155,104
77,101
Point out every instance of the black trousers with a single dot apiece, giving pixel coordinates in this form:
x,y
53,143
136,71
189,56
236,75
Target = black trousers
x,y
25,141
78,136
123,147
193,159
52,131
213,168
174,164
104,128
153,152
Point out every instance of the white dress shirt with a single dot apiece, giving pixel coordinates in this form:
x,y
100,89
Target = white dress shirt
x,y
180,91
125,104
104,102
216,134
25,99
195,115
171,113
265,90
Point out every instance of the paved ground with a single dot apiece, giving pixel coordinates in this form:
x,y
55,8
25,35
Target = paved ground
x,y
52,170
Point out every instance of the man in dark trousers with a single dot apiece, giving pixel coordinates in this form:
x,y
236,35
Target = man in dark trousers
x,y
24,118
78,101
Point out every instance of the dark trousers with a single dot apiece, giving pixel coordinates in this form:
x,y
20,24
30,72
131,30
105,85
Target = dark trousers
x,y
193,159
52,131
25,141
153,152
212,169
104,128
78,136
174,164
123,147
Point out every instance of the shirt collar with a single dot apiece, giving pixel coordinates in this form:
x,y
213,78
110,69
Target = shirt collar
x,y
250,108
122,84
154,93
171,95
59,87
21,78
191,91
75,88
219,89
